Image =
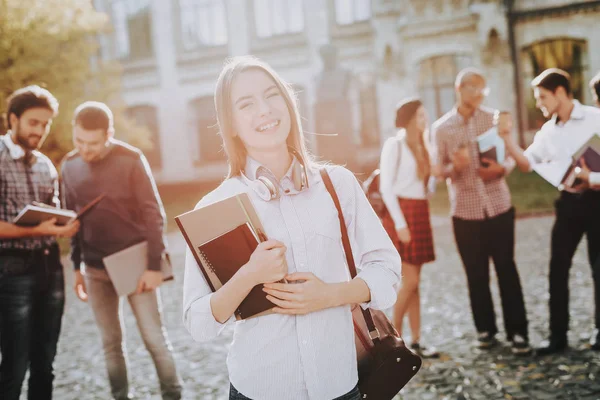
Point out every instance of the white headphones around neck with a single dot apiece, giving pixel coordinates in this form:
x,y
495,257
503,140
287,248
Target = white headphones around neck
x,y
268,189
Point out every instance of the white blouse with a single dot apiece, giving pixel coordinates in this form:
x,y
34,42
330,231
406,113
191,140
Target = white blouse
x,y
309,356
406,183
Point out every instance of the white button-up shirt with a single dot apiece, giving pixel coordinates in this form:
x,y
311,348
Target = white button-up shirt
x,y
309,356
558,140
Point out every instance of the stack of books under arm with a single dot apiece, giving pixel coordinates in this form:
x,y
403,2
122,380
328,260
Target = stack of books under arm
x,y
222,236
563,173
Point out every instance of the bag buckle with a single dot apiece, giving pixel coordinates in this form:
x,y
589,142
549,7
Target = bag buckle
x,y
374,334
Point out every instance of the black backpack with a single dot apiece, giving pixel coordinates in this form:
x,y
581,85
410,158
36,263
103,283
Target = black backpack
x,y
371,187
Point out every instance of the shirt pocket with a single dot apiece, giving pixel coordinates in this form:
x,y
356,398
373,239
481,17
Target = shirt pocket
x,y
326,224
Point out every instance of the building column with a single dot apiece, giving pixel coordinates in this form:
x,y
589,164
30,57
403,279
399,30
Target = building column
x,y
174,140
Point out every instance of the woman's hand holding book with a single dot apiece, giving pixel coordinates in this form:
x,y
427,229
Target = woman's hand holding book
x,y
267,262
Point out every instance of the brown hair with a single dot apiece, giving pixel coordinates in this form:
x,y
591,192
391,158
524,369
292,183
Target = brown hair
x,y
595,85
234,148
93,115
553,78
30,97
405,114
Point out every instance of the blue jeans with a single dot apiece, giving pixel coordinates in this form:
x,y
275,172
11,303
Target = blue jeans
x,y
31,308
354,394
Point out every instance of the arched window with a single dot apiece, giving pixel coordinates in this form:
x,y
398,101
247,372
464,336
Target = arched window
x,y
567,54
146,116
210,145
436,82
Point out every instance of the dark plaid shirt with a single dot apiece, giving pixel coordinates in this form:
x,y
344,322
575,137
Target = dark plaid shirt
x,y
21,184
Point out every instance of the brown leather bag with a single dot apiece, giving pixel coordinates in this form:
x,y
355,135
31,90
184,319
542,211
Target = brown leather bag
x,y
385,364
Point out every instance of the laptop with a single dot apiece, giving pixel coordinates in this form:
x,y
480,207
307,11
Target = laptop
x,y
125,267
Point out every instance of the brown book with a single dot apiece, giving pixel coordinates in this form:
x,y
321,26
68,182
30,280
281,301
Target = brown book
x,y
207,224
226,254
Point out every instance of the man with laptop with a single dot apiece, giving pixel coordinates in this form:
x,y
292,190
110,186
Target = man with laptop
x,y
130,217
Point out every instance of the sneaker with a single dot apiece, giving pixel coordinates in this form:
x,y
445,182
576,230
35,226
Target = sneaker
x,y
486,340
520,346
552,346
423,351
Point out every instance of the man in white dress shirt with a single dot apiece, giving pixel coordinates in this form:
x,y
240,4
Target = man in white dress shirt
x,y
577,210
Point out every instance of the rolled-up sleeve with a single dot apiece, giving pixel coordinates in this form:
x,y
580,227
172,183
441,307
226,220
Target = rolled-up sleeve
x,y
197,312
377,260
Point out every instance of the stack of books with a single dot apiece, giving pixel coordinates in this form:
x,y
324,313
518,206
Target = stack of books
x,y
222,236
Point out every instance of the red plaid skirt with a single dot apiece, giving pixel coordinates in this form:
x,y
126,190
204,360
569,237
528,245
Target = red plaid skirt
x,y
420,248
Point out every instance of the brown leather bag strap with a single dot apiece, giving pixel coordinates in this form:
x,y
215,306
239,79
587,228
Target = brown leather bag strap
x,y
373,333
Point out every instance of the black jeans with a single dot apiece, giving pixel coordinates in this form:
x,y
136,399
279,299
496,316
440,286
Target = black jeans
x,y
477,241
354,394
31,307
576,214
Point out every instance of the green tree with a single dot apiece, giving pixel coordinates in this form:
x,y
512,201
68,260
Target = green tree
x,y
53,43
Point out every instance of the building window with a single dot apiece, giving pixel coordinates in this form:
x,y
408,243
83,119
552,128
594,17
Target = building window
x,y
436,82
132,22
352,11
147,117
203,23
567,54
210,145
278,17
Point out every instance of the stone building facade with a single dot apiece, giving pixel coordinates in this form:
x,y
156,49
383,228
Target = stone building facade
x,y
172,52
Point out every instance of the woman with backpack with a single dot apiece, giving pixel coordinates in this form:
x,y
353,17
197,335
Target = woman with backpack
x,y
405,168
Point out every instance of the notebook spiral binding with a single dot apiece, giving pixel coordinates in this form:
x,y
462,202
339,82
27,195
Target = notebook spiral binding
x,y
208,263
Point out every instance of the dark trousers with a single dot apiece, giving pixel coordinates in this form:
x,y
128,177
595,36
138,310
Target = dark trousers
x,y
576,215
354,394
477,241
31,307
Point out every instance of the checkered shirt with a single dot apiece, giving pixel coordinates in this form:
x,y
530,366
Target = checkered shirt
x,y
16,193
470,197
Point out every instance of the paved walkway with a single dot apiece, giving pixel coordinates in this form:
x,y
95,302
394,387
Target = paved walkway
x,y
462,373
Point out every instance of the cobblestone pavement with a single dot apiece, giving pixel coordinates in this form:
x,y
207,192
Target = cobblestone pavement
x,y
461,373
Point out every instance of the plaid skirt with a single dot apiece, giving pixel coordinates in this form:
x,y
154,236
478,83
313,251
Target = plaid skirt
x,y
420,248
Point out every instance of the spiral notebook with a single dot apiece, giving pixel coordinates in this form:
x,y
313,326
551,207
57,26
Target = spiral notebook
x,y
226,254
233,228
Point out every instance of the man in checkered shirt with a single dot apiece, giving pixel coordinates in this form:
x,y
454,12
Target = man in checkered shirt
x,y
31,275
482,214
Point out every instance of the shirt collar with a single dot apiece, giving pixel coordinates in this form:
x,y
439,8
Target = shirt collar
x,y
16,151
459,117
577,113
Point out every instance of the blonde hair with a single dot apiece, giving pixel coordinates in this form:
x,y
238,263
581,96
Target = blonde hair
x,y
233,146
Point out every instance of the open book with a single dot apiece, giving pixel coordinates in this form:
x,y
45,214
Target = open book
x,y
563,173
491,145
36,213
222,236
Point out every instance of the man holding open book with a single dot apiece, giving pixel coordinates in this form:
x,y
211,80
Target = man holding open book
x,y
31,274
483,217
570,127
130,213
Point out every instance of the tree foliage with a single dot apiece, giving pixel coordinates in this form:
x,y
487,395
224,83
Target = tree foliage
x,y
53,43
